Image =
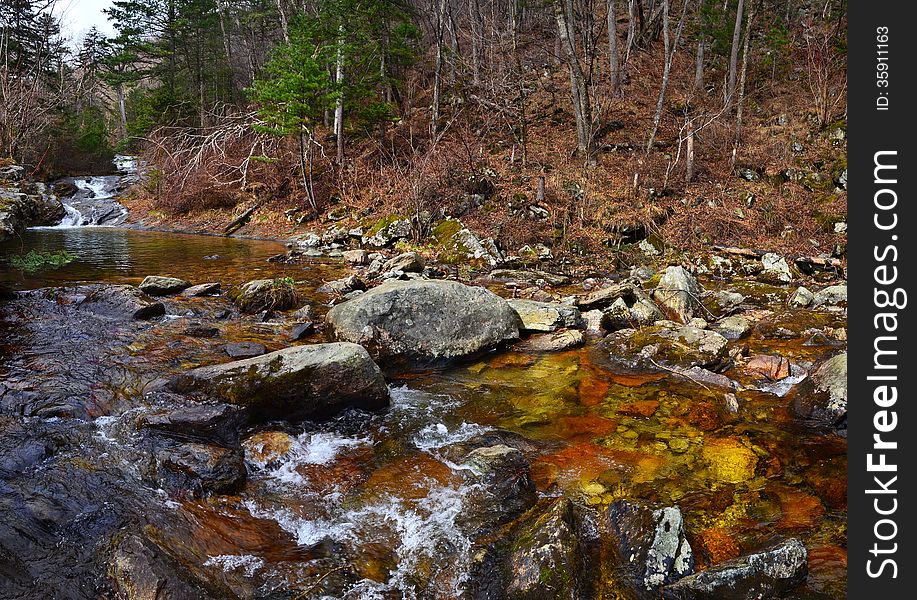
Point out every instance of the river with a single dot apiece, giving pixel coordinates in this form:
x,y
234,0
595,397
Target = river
x,y
370,505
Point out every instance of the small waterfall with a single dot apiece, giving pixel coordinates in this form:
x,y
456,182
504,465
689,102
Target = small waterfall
x,y
72,218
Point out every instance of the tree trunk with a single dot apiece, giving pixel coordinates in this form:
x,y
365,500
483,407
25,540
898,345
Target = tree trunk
x,y
438,69
734,56
689,155
631,28
339,102
667,68
582,109
477,33
613,59
303,169
122,112
745,50
284,27
699,64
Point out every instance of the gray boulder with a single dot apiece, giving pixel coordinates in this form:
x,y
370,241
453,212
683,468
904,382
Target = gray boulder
x,y
667,345
776,270
203,289
425,320
768,573
118,301
303,382
801,298
830,296
409,262
505,476
678,294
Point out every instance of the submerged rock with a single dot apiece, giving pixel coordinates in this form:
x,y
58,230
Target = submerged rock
x,y
141,571
650,545
668,346
678,293
822,398
302,382
733,327
545,316
768,573
213,423
425,321
156,285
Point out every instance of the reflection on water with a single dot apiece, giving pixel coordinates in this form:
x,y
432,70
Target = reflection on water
x,y
126,256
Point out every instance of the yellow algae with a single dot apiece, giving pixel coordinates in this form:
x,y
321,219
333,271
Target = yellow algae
x,y
729,461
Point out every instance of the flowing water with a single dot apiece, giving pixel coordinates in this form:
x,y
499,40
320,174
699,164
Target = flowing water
x,y
382,494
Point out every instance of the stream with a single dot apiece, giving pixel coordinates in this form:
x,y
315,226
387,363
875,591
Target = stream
x,y
366,505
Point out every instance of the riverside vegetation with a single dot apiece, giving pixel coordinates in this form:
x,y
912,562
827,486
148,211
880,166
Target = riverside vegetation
x,y
559,309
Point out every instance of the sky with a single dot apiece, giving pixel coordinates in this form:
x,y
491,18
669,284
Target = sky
x,y
78,16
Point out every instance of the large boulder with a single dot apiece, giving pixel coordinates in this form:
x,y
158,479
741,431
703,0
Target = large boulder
x,y
822,398
650,545
545,316
768,573
408,262
425,321
302,382
678,294
830,296
115,301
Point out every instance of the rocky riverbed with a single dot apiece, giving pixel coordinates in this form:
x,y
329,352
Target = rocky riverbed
x,y
192,417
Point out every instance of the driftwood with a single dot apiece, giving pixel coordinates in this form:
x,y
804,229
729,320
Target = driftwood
x,y
745,252
804,263
260,194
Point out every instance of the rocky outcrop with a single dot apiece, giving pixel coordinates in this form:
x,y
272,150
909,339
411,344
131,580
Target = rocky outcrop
x,y
302,382
425,321
545,316
199,469
122,302
768,573
650,545
822,398
24,204
678,294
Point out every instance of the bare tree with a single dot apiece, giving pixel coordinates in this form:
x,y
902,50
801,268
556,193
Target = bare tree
x,y
579,87
614,67
734,56
669,48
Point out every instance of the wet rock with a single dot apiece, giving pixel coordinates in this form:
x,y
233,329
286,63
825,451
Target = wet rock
x,y
343,286
116,301
669,346
722,302
644,311
768,573
733,327
140,571
356,257
505,474
617,316
770,367
301,382
425,321
408,262
545,316
301,330
244,349
206,423
199,330
200,469
650,545
801,298
729,460
556,341
266,447
548,554
593,319
776,270
830,296
46,208
203,289
306,313
156,285
266,294
678,294
822,398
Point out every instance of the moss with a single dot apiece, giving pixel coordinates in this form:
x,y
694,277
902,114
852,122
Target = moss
x,y
374,227
445,229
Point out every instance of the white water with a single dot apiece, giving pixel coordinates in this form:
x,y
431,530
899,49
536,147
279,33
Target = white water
x,y
422,530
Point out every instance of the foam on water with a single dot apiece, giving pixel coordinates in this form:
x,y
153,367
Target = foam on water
x,y
320,448
231,562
